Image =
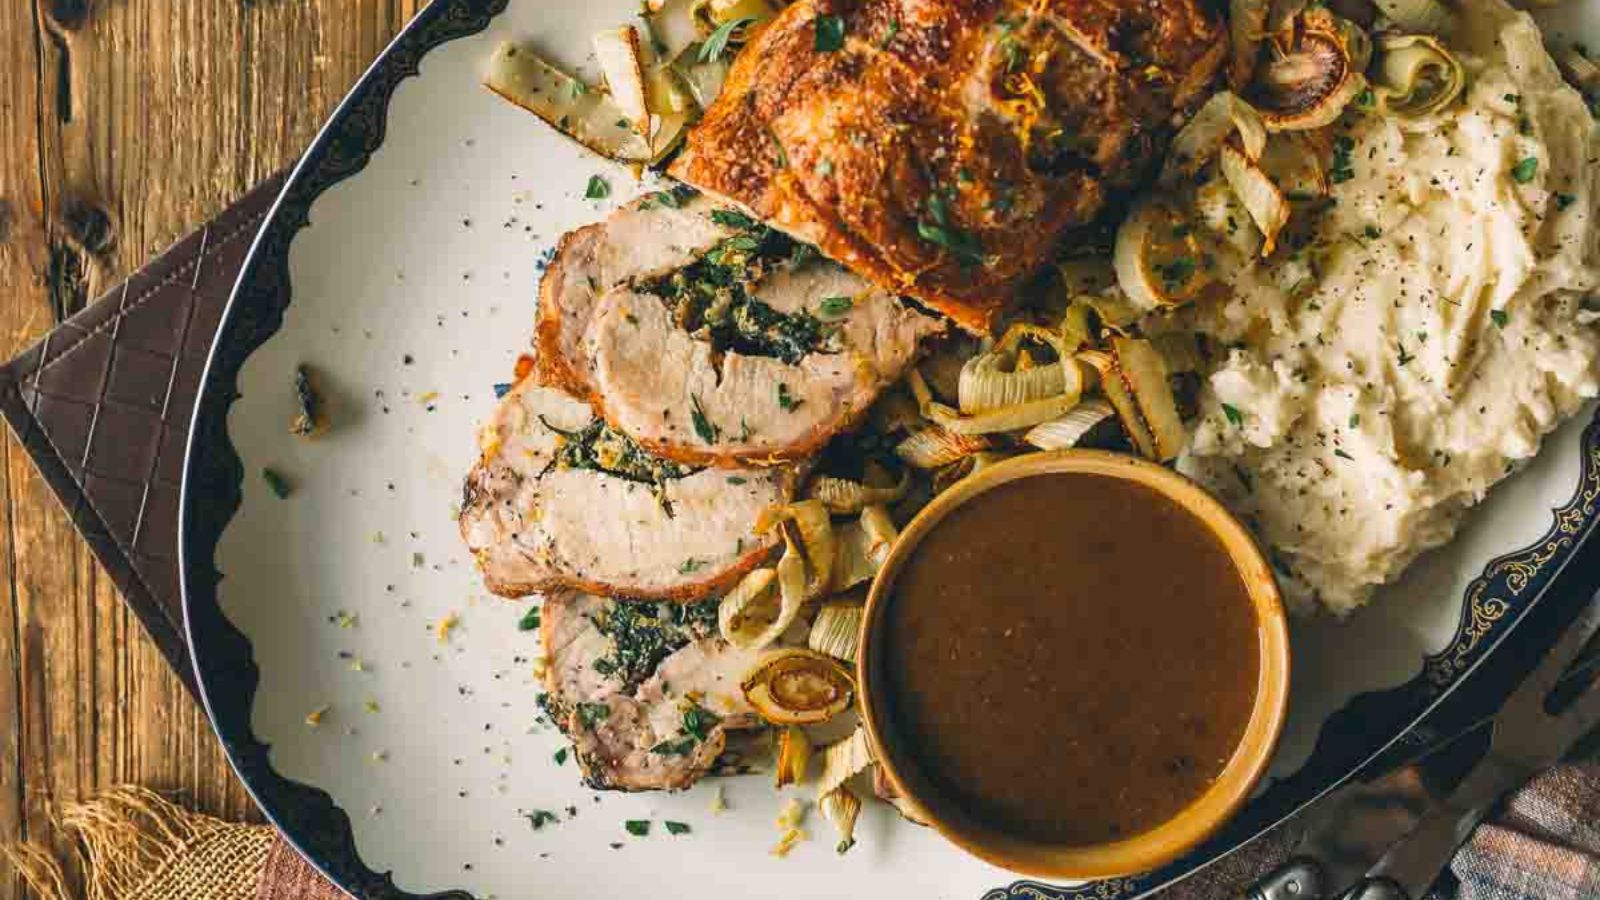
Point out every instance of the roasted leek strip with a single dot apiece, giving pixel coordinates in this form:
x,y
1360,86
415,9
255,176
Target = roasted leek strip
x,y
1070,429
931,447
587,115
1199,141
1416,76
841,807
1262,198
1158,257
798,687
1428,16
836,630
794,756
844,759
843,497
1134,378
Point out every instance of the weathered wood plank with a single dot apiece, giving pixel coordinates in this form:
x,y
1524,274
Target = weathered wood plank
x,y
122,125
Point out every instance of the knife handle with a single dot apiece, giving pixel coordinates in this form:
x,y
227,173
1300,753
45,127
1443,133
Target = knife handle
x,y
1301,878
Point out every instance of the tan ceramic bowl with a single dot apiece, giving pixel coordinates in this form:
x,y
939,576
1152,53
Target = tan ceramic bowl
x,y
1190,826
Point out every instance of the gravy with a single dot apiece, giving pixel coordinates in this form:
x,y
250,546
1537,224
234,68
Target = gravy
x,y
1069,658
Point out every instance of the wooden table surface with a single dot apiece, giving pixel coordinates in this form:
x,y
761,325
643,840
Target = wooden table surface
x,y
123,125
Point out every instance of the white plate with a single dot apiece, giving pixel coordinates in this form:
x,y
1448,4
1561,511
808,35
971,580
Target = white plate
x,y
413,293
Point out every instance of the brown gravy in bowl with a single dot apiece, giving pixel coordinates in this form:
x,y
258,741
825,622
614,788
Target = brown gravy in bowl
x,y
1071,658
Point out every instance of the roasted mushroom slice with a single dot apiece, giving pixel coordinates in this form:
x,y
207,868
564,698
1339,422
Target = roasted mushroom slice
x,y
1307,83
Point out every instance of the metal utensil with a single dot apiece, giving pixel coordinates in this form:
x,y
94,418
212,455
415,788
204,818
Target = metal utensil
x,y
1525,740
1394,819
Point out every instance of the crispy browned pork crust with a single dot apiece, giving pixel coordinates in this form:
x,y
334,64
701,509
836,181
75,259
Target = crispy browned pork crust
x,y
946,146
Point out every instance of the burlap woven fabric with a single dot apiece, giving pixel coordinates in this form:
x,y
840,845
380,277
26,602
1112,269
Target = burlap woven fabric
x,y
136,845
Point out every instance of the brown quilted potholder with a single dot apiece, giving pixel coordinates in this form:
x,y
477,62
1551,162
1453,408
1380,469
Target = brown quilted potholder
x,y
103,405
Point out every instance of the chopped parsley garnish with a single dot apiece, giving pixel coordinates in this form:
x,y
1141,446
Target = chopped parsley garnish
x,y
734,479
937,229
830,34
786,402
590,713
1404,356
539,818
680,747
1565,200
529,620
597,189
836,306
1355,419
691,565
1176,273
637,827
1499,317
560,756
702,425
276,483
1234,415
717,43
676,828
1525,169
1341,454
501,389
698,721
890,31
1342,170
1372,232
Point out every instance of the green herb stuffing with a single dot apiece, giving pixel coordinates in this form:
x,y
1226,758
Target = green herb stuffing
x,y
602,448
640,635
713,297
592,713
702,426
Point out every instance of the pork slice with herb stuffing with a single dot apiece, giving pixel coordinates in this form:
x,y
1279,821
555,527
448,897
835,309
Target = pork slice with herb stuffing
x,y
646,692
558,499
749,349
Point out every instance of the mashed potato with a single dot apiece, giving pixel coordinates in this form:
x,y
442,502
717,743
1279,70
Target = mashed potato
x,y
1367,401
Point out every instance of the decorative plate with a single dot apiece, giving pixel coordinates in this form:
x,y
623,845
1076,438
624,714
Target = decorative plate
x,y
401,261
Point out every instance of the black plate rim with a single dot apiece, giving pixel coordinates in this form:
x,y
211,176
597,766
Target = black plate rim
x,y
307,816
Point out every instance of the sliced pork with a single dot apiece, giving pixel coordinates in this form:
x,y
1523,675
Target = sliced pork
x,y
647,692
713,340
558,499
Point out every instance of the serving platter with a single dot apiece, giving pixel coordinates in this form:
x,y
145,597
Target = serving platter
x,y
380,705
